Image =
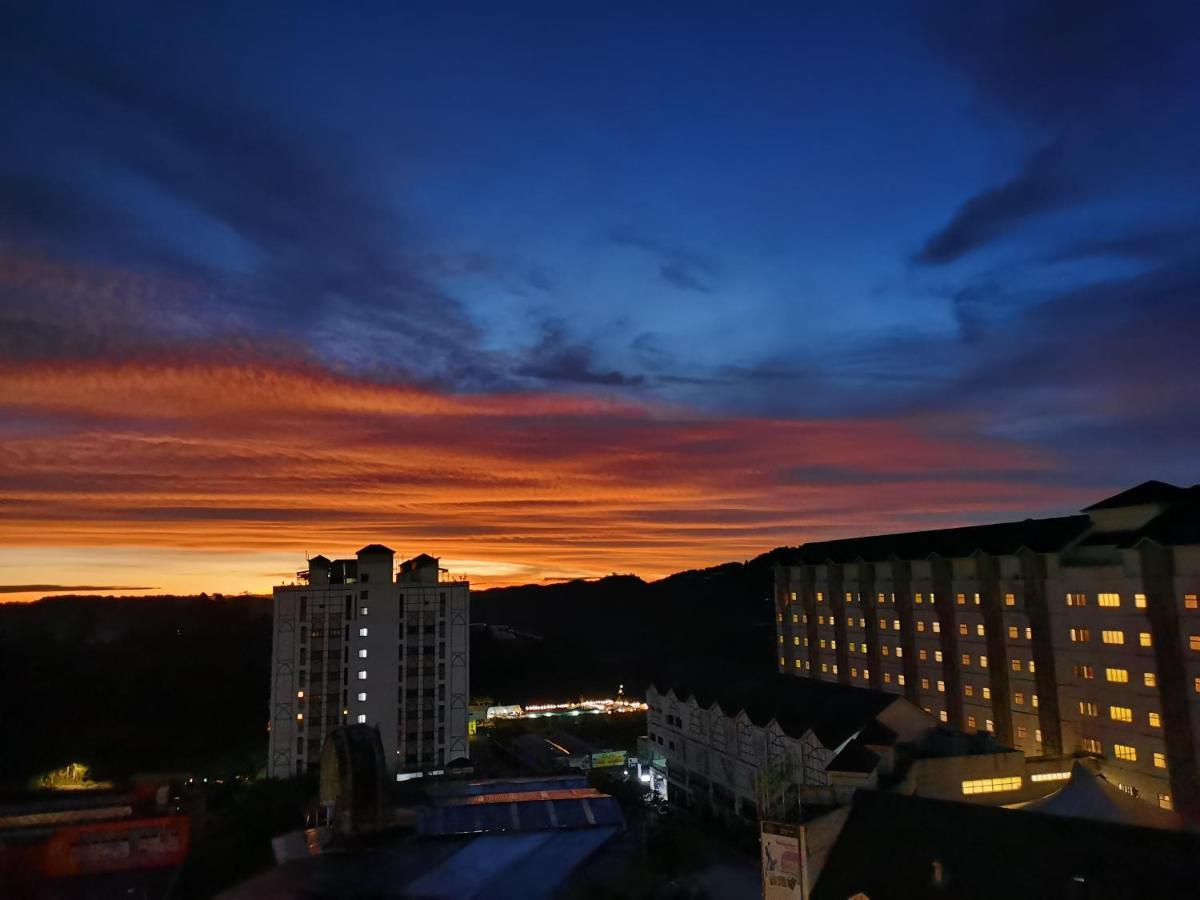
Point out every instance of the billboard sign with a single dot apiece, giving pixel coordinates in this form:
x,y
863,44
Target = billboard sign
x,y
608,758
782,861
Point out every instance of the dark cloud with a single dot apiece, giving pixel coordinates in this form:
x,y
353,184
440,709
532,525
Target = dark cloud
x,y
1043,184
556,358
1107,84
36,588
679,267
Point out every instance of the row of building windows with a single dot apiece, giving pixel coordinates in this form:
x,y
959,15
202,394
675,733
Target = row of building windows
x,y
991,785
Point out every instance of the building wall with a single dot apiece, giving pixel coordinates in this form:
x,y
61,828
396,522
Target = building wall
x,y
374,650
991,643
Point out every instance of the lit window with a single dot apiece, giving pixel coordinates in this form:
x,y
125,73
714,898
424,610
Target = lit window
x,y
976,598
895,624
937,655
363,611
1016,665
1144,639
962,628
1037,735
1080,635
362,654
970,721
1196,684
1090,745
796,641
835,668
980,631
849,597
832,644
900,680
1076,599
989,725
937,627
1124,751
920,624
1139,601
1149,679
1190,601
1108,599
362,719
1028,633
883,624
824,667
1154,719
1160,760
1193,642
1034,700
941,686
922,654
1164,801
917,598
797,662
1119,676
1085,672
852,646
925,684
299,695
1031,667
1088,708
987,693
969,690
983,662
853,672
1050,776
899,650
820,620
962,598
362,696
362,674
887,677
1112,637
793,596
866,674
1019,698
1012,632
1010,599
880,599
1022,732
782,661
781,639
832,620
795,619
966,659
362,632
299,717
1120,713
820,597
821,642
942,715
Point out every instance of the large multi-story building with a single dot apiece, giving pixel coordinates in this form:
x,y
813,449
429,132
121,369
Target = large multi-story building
x,y
1078,634
356,644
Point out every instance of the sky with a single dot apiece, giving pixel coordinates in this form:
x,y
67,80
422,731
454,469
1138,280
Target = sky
x,y
557,290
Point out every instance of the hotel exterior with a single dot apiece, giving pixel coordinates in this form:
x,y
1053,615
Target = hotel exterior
x,y
1077,635
356,644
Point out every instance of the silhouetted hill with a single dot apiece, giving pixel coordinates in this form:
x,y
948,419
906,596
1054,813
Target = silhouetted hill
x,y
130,684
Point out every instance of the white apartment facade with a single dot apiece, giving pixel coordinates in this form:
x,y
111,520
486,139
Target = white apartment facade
x,y
1074,635
355,642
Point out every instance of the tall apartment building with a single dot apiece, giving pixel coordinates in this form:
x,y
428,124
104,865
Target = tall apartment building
x,y
355,643
1062,636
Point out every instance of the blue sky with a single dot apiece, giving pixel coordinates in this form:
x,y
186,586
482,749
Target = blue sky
x,y
976,213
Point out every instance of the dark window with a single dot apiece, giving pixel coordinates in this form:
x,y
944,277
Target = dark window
x,y
441,735
303,633
442,650
362,595
441,604
442,629
345,676
299,745
349,603
442,692
364,577
303,608
303,655
442,671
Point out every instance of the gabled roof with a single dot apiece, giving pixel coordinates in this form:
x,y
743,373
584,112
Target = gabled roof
x,y
833,712
376,550
1089,796
1147,492
319,560
1039,535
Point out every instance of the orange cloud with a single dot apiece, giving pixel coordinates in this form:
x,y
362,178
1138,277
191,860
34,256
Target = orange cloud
x,y
226,457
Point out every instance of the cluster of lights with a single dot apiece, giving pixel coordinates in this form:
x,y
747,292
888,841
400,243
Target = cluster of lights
x,y
589,707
